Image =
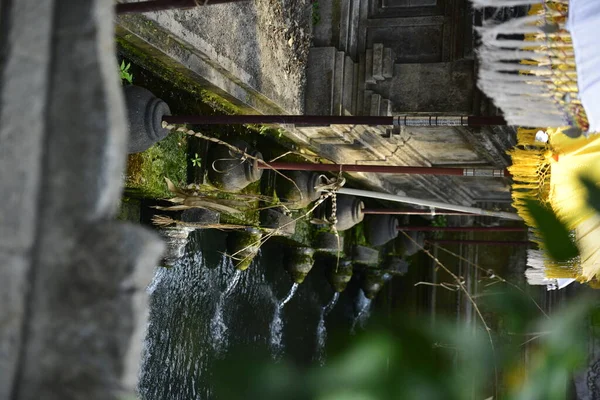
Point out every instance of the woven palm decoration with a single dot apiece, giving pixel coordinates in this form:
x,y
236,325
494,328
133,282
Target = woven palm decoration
x,y
528,68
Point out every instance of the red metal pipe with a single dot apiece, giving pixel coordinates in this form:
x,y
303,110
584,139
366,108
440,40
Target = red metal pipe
x,y
386,169
386,211
162,5
462,228
324,120
478,242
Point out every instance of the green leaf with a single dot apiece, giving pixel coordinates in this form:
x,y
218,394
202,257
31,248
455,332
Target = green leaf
x,y
593,192
556,237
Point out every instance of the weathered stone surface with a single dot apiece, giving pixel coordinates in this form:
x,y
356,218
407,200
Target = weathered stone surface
x,y
361,85
378,62
367,102
375,104
388,63
338,83
449,86
355,88
365,255
433,75
386,108
319,92
242,48
13,281
72,282
200,216
348,86
369,66
284,225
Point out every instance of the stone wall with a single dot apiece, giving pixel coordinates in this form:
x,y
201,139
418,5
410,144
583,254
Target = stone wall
x,y
72,281
369,57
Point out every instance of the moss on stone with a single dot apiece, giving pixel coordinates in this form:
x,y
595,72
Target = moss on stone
x,y
146,171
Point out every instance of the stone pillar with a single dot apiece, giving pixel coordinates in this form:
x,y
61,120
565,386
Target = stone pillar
x,y
72,281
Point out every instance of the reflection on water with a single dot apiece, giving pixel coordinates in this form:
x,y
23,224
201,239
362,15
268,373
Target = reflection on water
x,y
185,300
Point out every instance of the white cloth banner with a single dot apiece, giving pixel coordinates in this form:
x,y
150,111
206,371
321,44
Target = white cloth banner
x,y
584,25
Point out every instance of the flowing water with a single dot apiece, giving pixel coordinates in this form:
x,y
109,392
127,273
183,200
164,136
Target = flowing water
x,y
322,329
218,327
276,342
204,291
364,312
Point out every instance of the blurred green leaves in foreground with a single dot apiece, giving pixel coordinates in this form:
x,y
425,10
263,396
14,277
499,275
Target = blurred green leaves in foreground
x,y
413,359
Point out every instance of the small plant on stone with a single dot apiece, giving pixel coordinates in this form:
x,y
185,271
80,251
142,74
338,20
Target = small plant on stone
x,y
196,161
440,221
124,72
316,13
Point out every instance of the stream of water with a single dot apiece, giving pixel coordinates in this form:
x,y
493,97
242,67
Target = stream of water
x,y
364,312
203,291
218,327
322,329
276,342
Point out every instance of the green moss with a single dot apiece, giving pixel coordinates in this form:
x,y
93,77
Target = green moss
x,y
146,171
304,230
129,210
173,73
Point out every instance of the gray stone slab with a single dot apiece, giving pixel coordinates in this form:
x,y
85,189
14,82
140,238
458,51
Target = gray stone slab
x,y
319,78
25,71
361,85
13,281
367,102
431,87
322,33
388,63
375,104
348,86
378,62
386,108
369,66
338,83
355,89
344,9
352,49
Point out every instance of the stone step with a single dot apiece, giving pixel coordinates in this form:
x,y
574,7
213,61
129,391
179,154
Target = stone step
x,y
349,11
338,83
388,63
375,104
320,80
386,108
360,87
378,62
348,93
367,102
355,89
369,67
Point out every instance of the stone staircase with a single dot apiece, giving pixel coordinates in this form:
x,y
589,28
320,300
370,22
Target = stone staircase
x,y
340,86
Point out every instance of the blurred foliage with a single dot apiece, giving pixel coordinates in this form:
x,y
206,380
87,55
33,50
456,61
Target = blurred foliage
x,y
556,236
413,359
